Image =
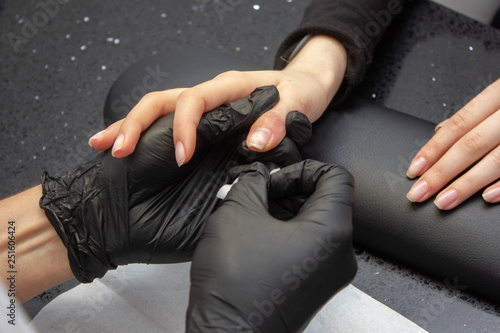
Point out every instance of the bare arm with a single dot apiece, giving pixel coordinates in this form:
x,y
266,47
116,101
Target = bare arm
x,y
40,258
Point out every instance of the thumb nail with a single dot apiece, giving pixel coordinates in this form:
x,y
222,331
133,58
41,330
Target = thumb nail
x,y
180,153
259,138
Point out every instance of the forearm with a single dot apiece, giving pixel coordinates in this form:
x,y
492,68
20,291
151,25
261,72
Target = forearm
x,y
41,260
325,59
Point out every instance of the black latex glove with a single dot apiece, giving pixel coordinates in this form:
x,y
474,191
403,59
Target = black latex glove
x,y
254,273
144,208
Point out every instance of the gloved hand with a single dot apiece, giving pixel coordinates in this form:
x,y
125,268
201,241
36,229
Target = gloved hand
x,y
144,208
252,272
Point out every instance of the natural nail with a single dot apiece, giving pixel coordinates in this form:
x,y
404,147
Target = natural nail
x,y
260,138
417,191
416,168
492,195
180,153
446,199
118,144
438,126
95,137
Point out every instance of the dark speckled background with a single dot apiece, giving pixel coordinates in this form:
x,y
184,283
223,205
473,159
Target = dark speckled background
x,y
53,84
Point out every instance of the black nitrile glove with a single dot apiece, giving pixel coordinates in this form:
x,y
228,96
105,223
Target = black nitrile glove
x,y
144,208
252,272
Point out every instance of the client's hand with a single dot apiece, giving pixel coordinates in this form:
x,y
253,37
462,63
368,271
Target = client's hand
x,y
144,208
253,272
307,84
470,136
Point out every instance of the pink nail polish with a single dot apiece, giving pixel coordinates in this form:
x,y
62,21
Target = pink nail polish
x,y
446,199
492,195
416,168
260,138
418,191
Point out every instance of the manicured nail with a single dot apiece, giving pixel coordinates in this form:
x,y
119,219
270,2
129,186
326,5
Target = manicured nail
x,y
95,137
180,153
446,199
438,126
118,144
260,138
416,168
492,195
417,191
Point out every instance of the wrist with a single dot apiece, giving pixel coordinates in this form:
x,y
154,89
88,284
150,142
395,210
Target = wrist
x,y
324,59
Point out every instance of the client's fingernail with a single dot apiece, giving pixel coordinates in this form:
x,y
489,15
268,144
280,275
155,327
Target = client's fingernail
x,y
417,191
118,144
180,153
416,168
446,199
95,137
260,137
492,195
438,126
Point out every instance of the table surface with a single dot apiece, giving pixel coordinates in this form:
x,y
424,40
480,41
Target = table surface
x,y
59,62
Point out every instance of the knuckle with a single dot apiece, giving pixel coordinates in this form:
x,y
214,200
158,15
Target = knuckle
x,y
495,156
459,122
472,143
227,75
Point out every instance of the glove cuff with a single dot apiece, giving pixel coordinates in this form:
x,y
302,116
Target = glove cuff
x,y
74,205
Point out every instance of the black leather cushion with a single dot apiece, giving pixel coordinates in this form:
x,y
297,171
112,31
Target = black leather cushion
x,y
376,145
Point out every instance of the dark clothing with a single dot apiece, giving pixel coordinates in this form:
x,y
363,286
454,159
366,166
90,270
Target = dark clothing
x,y
357,24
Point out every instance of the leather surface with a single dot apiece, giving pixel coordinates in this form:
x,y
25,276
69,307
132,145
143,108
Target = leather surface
x,y
376,145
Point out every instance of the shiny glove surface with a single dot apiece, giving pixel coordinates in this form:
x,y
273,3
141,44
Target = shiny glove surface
x,y
252,272
144,208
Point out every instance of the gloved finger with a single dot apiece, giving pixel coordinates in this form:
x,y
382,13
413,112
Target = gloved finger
x,y
236,117
298,127
251,189
330,189
299,131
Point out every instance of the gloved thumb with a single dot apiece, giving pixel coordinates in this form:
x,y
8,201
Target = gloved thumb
x,y
250,191
329,188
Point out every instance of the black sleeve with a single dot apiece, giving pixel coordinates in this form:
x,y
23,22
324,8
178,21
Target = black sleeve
x,y
357,24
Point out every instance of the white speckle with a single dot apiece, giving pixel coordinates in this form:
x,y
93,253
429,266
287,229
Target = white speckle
x,y
37,97
110,39
471,48
46,66
74,136
289,1
99,78
86,19
56,137
179,31
117,41
22,142
432,64
34,50
256,7
237,48
65,124
374,95
190,22
21,21
62,112
103,67
376,273
265,48
34,157
68,36
83,47
73,58
163,15
434,79
43,148
444,104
